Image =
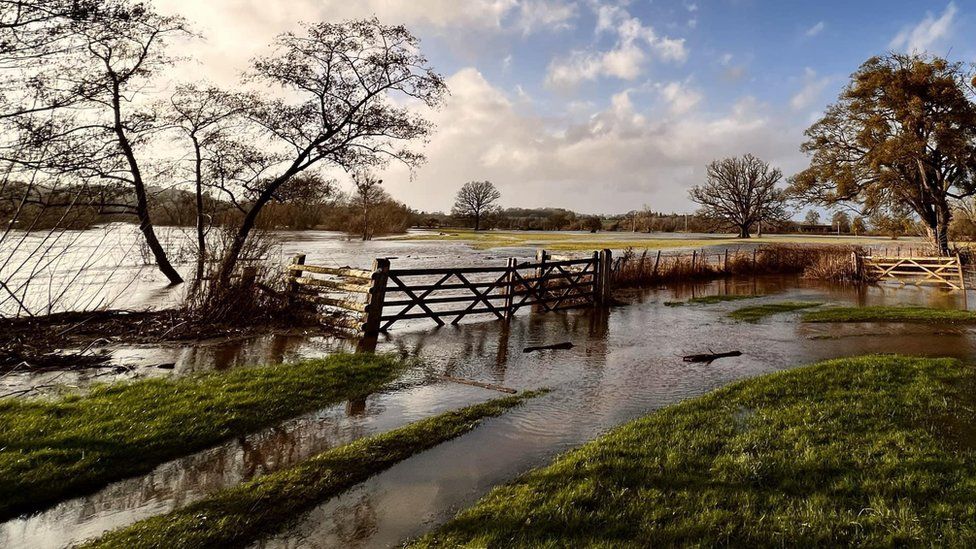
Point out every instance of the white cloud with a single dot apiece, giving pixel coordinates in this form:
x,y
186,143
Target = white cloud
x,y
546,14
601,161
812,89
927,33
680,97
815,30
635,44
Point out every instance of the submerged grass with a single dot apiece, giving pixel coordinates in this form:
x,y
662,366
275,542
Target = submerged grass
x,y
51,450
860,451
891,314
759,312
237,516
710,300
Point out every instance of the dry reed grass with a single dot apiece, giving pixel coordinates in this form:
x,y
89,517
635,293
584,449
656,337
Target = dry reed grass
x,y
820,262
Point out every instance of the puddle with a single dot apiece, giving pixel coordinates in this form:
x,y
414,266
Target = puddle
x,y
626,362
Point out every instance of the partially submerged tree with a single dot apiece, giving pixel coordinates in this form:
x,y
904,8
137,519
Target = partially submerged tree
x,y
475,200
104,69
902,132
740,192
367,194
345,87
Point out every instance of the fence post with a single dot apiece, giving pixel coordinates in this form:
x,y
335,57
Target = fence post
x,y
509,288
656,261
293,276
597,289
606,278
540,283
962,277
248,275
376,295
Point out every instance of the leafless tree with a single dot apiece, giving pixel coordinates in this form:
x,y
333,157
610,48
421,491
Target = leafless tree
x,y
205,116
475,200
740,192
340,80
368,194
104,136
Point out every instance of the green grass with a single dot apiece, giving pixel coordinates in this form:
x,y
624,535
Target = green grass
x,y
51,450
237,516
866,451
710,300
891,314
565,241
759,312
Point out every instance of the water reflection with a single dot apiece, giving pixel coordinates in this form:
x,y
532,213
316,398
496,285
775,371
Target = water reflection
x,y
625,362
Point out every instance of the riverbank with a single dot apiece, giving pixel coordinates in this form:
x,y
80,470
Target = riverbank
x,y
240,515
873,450
54,449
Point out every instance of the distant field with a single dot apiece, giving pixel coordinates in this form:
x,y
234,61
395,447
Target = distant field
x,y
570,241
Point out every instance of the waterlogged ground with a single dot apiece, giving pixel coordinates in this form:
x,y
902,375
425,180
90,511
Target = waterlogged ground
x,y
625,363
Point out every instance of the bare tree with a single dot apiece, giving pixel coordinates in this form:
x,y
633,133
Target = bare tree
x,y
339,79
204,115
740,192
104,136
475,200
368,194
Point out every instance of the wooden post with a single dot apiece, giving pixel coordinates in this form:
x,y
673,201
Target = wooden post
x,y
248,275
606,277
540,258
694,255
376,295
597,259
656,261
294,275
726,268
509,288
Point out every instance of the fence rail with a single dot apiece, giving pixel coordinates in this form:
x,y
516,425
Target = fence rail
x,y
944,271
373,301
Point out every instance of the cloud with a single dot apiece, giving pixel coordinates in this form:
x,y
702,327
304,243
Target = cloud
x,y
593,160
812,88
815,30
546,14
635,44
927,33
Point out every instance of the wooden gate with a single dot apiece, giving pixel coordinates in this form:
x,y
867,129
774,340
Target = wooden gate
x,y
943,271
373,301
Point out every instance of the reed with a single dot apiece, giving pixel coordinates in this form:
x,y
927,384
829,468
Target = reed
x,y
829,262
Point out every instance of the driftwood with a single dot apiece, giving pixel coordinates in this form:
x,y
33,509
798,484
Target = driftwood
x,y
478,384
707,358
563,345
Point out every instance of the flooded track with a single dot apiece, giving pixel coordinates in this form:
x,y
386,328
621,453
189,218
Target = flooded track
x,y
626,362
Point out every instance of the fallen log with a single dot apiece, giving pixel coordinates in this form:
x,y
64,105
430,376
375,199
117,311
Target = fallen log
x,y
707,358
563,345
478,384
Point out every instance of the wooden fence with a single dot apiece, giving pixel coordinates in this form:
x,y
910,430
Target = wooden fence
x,y
944,271
373,301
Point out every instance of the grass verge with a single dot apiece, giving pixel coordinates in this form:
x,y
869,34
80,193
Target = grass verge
x,y
239,515
863,451
710,300
52,450
759,312
891,314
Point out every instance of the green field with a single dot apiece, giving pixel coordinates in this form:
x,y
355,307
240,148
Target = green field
x,y
870,451
574,241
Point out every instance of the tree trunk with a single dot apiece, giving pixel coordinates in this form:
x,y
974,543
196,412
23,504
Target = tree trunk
x,y
232,254
743,231
142,202
477,221
201,238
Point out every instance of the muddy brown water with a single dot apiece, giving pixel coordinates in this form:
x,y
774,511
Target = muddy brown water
x,y
626,362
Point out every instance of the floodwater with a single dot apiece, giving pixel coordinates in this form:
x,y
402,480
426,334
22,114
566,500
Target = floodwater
x,y
626,362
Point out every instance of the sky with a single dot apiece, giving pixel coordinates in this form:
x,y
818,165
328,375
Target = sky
x,y
604,106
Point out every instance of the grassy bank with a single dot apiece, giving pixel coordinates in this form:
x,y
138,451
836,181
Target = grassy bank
x,y
891,314
51,450
873,450
576,241
759,312
237,516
